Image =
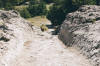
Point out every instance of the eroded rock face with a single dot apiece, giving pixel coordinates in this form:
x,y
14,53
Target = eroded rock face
x,y
82,29
14,33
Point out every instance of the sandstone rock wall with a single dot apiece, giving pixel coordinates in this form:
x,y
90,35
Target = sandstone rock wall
x,y
14,32
82,29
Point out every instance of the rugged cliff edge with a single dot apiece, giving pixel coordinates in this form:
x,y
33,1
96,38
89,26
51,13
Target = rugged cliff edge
x,y
14,33
82,29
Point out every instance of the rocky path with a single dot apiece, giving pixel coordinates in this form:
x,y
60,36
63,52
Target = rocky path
x,y
47,50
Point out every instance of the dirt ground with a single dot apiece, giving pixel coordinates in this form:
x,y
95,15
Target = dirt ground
x,y
47,50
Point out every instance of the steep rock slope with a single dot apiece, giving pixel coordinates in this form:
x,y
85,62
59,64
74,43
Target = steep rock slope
x,y
14,32
82,29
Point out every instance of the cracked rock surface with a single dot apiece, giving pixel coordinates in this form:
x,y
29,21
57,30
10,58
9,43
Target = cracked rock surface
x,y
14,32
81,29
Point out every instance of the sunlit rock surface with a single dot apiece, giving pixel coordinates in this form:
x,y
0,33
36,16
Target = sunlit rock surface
x,y
14,32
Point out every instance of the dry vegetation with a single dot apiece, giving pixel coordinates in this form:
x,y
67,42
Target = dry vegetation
x,y
20,7
38,20
49,5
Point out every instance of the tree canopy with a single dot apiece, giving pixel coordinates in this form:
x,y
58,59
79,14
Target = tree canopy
x,y
56,13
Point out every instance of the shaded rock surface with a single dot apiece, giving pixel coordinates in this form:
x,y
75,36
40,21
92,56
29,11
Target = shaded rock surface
x,y
82,29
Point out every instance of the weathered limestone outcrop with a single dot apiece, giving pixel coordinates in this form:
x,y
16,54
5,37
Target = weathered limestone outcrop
x,y
14,33
82,29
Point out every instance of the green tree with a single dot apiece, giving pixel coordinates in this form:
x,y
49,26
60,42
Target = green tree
x,y
98,2
8,6
42,9
56,15
37,8
48,1
25,13
61,8
33,10
52,1
83,2
1,4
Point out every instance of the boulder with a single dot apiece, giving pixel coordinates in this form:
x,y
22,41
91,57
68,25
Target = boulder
x,y
81,29
14,33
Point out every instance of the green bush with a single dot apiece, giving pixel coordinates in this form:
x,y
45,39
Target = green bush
x,y
56,15
37,8
52,1
25,13
8,6
44,28
98,2
61,8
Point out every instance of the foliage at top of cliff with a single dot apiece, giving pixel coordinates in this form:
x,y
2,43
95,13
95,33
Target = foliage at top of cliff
x,y
55,13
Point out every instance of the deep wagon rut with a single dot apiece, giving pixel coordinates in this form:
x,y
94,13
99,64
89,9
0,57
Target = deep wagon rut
x,y
48,50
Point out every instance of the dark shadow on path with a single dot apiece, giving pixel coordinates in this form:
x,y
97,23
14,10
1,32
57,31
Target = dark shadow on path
x,y
55,32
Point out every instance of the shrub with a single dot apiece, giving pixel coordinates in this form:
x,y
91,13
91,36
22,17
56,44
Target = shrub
x,y
8,6
43,27
48,1
91,21
37,9
61,8
98,2
52,1
56,15
25,13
